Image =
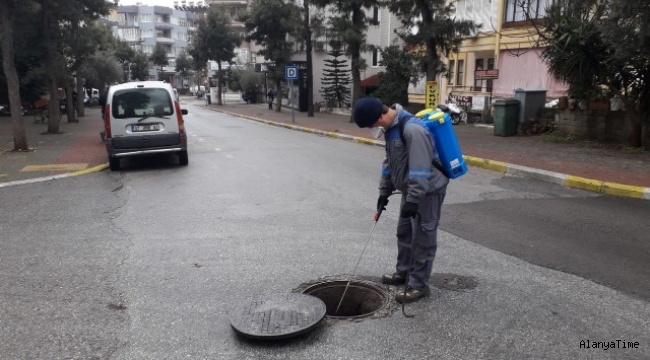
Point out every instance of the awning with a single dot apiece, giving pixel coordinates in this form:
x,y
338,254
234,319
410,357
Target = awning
x,y
372,81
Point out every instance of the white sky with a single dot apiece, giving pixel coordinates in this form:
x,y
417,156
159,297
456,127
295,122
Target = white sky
x,y
168,3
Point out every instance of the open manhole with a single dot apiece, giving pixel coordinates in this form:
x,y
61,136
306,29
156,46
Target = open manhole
x,y
361,299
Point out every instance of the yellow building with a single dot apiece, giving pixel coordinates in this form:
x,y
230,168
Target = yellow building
x,y
503,56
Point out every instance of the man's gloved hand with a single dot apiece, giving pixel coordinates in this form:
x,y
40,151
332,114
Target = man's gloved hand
x,y
382,202
409,210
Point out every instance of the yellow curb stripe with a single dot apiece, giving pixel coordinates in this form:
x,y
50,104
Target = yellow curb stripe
x,y
55,167
89,170
583,183
486,164
623,190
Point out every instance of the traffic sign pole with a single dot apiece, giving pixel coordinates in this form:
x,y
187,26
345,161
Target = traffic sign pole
x,y
293,117
290,74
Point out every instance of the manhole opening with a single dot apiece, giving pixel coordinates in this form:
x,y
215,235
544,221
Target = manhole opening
x,y
361,299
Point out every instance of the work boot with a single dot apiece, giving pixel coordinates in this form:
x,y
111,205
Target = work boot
x,y
411,294
393,279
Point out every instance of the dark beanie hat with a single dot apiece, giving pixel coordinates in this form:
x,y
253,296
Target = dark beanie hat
x,y
367,111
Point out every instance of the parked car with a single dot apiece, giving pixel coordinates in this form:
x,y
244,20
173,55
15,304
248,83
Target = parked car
x,y
5,110
143,118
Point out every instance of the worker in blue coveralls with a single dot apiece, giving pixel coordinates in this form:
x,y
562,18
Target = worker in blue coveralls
x,y
408,167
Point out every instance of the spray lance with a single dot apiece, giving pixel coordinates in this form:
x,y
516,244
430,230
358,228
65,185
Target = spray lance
x,y
376,218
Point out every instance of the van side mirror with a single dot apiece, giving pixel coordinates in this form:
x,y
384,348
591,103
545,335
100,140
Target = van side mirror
x,y
184,111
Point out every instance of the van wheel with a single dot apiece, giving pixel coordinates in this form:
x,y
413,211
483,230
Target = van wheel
x,y
182,158
114,163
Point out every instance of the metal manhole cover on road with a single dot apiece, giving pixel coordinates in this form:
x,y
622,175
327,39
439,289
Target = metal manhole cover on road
x,y
277,316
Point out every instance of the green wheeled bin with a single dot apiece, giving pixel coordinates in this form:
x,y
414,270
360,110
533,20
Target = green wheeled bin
x,y
506,117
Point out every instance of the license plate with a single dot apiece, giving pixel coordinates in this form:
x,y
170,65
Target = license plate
x,y
148,127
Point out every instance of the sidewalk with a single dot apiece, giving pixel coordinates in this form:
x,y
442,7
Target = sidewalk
x,y
583,164
77,150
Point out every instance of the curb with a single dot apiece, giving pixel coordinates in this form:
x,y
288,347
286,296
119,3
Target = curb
x,y
571,181
54,177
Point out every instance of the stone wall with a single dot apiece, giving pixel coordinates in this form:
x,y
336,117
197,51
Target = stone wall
x,y
609,126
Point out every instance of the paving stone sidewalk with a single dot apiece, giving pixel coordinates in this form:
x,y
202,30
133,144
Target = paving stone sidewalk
x,y
78,147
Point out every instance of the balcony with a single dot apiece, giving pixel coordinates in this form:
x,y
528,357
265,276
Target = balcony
x,y
164,25
165,40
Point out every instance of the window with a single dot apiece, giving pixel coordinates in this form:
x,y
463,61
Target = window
x,y
141,102
450,77
146,17
375,14
375,57
147,33
460,72
516,10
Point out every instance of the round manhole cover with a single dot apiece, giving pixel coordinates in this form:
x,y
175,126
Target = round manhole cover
x,y
277,316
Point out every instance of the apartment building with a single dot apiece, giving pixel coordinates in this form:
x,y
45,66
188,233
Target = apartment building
x,y
504,55
381,35
143,27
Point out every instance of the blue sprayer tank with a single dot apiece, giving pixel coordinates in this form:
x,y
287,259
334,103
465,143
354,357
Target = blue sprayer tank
x,y
439,124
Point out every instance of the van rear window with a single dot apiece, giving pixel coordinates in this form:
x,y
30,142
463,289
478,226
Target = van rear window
x,y
130,103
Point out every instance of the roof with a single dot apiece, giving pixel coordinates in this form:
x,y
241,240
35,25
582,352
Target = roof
x,y
371,81
136,84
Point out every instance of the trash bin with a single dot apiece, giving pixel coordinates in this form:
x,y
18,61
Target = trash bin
x,y
531,101
506,117
207,97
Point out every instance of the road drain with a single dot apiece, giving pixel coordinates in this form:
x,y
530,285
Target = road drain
x,y
361,299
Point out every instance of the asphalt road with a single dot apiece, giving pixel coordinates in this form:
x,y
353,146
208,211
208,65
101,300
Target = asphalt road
x,y
149,262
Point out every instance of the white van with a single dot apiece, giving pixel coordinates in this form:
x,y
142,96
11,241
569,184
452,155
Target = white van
x,y
143,118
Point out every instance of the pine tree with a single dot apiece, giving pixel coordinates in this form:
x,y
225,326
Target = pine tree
x,y
336,80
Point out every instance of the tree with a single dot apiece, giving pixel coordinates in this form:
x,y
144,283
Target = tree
x,y
125,55
215,40
53,15
270,23
598,44
102,68
79,42
307,34
336,79
159,58
183,65
351,23
401,69
631,65
7,18
431,26
140,67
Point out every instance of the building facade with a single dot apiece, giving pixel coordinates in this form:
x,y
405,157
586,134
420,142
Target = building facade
x,y
143,27
506,49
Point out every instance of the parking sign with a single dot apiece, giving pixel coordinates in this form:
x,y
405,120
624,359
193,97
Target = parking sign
x,y
291,72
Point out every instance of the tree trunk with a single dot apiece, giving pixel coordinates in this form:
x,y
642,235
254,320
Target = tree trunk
x,y
636,126
49,37
13,86
355,62
81,111
432,51
278,94
69,103
310,72
219,81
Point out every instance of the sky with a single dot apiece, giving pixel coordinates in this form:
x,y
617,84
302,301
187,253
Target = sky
x,y
168,3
